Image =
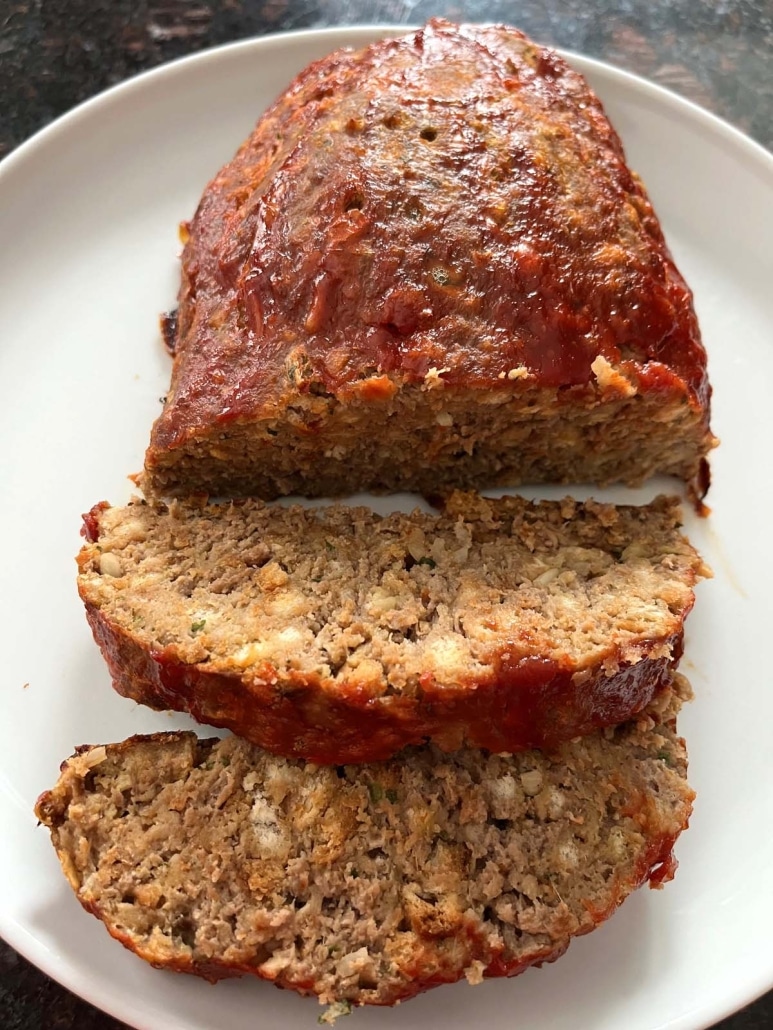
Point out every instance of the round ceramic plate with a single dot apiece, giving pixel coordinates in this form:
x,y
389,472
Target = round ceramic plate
x,y
88,218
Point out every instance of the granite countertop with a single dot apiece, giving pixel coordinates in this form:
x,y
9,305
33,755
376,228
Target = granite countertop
x,y
56,53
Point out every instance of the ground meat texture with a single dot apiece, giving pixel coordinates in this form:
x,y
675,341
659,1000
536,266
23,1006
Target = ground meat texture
x,y
366,884
337,635
429,267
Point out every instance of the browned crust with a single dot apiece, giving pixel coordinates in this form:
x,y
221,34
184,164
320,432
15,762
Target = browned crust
x,y
341,256
531,703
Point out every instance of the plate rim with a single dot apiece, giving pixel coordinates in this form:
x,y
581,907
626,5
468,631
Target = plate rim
x,y
709,119
17,935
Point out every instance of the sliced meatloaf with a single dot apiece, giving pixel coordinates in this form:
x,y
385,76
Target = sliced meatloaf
x,y
369,884
337,635
430,267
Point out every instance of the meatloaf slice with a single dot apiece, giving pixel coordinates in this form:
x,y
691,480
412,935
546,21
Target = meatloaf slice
x,y
430,267
367,884
337,635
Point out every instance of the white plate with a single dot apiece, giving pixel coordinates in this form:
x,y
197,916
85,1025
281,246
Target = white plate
x,y
88,217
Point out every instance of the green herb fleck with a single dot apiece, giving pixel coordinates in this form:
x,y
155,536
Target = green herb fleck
x,y
329,547
429,562
665,756
391,795
334,1011
196,627
376,792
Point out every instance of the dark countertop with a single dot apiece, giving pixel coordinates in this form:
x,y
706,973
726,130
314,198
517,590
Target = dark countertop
x,y
56,53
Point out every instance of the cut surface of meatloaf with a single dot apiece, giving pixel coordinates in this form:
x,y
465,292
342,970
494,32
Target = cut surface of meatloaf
x,y
429,267
366,884
337,635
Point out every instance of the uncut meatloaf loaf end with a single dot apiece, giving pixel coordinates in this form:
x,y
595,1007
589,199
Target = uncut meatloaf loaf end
x,y
429,267
366,884
338,635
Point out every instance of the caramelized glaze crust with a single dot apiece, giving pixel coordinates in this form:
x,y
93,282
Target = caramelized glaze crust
x,y
450,205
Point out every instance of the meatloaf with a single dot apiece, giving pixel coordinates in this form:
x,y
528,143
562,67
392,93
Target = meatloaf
x,y
367,884
429,267
337,635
